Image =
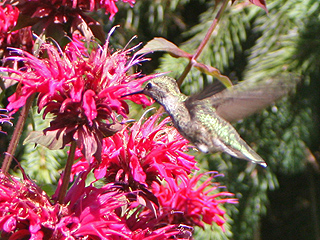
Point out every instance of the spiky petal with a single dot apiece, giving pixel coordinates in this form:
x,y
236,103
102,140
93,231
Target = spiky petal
x,y
83,94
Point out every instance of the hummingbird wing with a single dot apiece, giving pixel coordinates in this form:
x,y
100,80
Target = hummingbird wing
x,y
208,91
246,98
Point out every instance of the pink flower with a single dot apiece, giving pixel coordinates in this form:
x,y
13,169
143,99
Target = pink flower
x,y
26,212
144,153
83,94
57,18
94,213
191,203
24,209
60,8
136,157
9,16
182,206
20,38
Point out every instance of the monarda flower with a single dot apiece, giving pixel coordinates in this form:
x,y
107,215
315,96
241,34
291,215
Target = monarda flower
x,y
82,94
133,160
184,204
26,212
21,38
191,202
144,153
56,18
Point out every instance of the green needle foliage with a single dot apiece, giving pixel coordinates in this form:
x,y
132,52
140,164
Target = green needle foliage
x,y
42,163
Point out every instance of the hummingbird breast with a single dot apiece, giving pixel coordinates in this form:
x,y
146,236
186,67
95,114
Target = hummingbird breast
x,y
190,128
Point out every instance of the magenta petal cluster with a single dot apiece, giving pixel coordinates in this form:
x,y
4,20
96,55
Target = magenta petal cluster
x,y
146,152
183,206
26,212
149,164
191,202
9,16
24,209
21,38
82,93
58,8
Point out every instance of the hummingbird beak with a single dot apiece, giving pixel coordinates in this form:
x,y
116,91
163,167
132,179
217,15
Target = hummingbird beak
x,y
133,93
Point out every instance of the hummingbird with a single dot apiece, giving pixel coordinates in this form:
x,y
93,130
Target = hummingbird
x,y
204,118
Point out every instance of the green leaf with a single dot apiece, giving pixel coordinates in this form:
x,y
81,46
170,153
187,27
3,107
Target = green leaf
x,y
162,44
214,72
48,140
24,21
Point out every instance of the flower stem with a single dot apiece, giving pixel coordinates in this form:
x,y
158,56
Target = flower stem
x,y
67,172
16,135
204,42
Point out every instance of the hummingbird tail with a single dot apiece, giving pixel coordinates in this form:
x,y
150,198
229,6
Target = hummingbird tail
x,y
246,153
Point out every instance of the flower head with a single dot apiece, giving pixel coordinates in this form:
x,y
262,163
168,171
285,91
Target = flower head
x,y
21,38
26,212
136,157
58,9
183,206
83,94
24,209
190,203
62,17
144,153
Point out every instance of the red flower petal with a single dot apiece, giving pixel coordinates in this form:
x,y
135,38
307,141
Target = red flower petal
x,y
89,105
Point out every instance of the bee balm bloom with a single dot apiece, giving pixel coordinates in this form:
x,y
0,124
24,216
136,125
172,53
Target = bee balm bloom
x,y
21,38
26,212
145,153
191,202
82,94
137,156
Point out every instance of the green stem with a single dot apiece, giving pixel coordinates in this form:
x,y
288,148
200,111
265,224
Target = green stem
x,y
204,42
16,135
67,173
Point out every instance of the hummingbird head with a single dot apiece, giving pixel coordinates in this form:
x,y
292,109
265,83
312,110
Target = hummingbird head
x,y
160,89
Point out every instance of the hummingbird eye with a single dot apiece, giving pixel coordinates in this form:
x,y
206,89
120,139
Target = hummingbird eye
x,y
149,86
